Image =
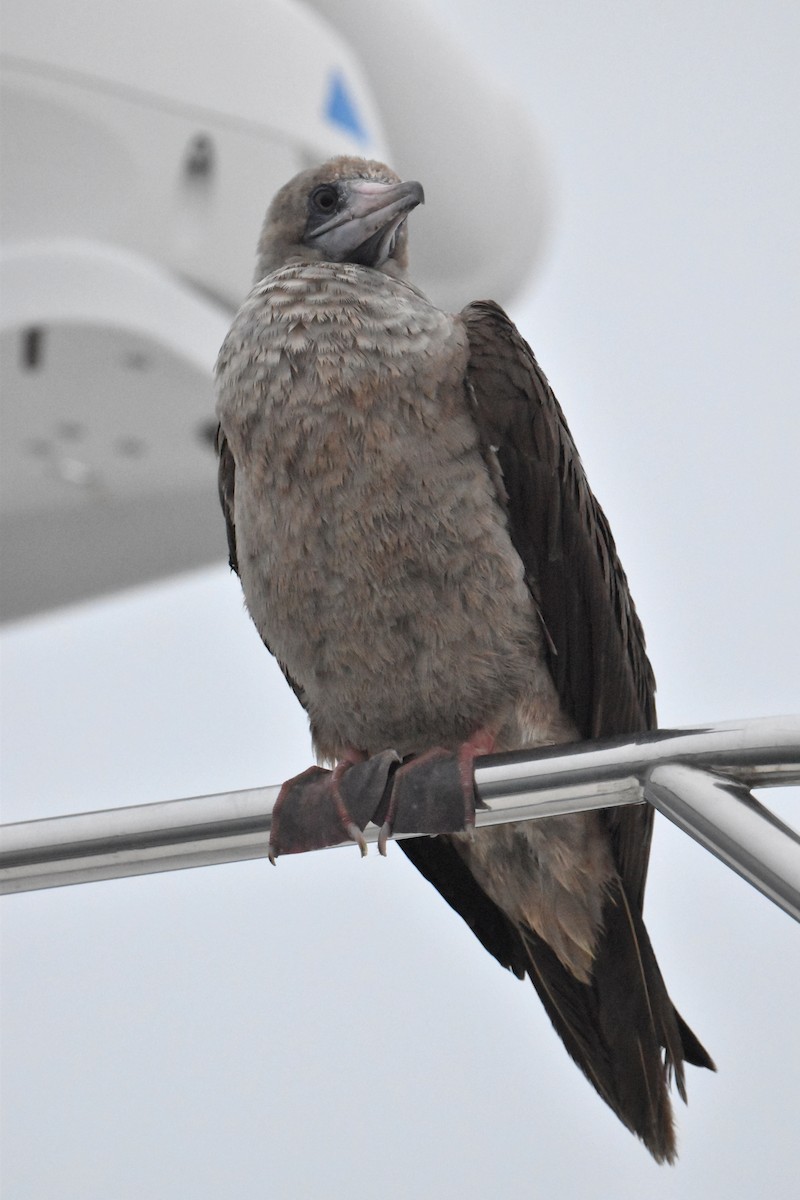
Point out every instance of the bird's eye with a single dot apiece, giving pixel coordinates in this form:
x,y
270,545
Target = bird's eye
x,y
324,199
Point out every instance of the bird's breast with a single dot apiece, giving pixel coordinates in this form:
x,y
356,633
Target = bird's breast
x,y
374,556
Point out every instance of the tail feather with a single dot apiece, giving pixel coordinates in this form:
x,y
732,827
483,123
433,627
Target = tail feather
x,y
621,1028
694,1051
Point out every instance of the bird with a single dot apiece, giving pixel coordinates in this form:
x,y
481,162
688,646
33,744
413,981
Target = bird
x,y
419,548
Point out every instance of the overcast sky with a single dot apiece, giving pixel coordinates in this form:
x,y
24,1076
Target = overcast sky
x,y
330,1028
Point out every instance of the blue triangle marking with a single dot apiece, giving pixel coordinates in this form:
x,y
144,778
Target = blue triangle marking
x,y
340,109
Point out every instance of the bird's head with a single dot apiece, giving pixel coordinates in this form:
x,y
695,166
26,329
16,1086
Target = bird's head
x,y
349,210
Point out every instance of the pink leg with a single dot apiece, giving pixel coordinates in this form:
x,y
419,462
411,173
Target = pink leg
x,y
350,757
478,743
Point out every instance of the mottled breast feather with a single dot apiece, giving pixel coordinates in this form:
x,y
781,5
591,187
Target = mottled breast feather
x,y
369,538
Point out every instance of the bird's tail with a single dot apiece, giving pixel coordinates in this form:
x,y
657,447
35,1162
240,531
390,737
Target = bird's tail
x,y
621,1027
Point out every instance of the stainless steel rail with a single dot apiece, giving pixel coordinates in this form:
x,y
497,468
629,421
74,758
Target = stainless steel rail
x,y
699,778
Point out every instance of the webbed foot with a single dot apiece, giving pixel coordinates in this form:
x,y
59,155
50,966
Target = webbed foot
x,y
434,792
320,808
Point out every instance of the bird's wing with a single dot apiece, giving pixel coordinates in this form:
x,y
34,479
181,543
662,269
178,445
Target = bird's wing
x,y
226,484
593,637
615,1026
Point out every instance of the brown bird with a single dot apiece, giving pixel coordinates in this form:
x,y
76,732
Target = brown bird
x,y
419,548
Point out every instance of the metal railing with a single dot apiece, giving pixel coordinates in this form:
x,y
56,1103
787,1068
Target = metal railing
x,y
700,778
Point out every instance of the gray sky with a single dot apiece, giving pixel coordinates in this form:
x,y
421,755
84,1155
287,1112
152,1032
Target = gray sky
x,y
330,1028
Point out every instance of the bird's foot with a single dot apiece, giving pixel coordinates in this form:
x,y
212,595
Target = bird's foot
x,y
434,793
320,808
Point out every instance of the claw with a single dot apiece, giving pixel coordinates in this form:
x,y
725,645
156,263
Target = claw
x,y
383,837
348,824
358,837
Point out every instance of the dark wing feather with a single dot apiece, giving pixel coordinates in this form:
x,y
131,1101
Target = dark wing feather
x,y
594,639
226,484
616,1026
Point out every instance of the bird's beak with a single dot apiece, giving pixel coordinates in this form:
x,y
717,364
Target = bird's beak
x,y
364,231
